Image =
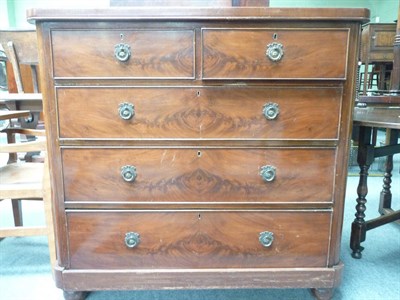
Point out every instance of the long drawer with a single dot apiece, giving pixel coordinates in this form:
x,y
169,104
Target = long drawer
x,y
198,239
251,113
147,53
274,53
199,175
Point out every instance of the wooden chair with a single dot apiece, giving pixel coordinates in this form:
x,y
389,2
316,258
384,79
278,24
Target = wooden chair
x,y
20,47
22,180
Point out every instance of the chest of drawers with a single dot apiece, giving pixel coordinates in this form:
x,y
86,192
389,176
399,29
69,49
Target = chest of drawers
x,y
198,148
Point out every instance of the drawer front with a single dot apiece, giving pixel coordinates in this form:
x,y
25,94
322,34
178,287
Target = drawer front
x,y
199,175
197,239
242,53
382,41
252,113
153,54
382,37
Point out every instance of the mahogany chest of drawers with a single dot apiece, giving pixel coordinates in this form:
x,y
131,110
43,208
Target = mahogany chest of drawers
x,y
198,148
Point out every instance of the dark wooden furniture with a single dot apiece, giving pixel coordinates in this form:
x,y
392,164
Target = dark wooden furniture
x,y
380,111
198,147
369,119
377,50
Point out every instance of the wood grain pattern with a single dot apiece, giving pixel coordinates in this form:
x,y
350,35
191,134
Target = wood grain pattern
x,y
155,54
199,175
198,239
25,42
200,278
199,112
198,153
340,15
377,42
240,54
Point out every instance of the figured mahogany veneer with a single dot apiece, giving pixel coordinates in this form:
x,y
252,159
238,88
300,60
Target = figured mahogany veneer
x,y
198,239
198,147
155,53
199,175
240,53
198,112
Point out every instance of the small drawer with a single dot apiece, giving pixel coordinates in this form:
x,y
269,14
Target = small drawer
x,y
123,54
199,175
274,53
198,239
212,112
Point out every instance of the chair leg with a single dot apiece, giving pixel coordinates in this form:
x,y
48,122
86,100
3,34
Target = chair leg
x,y
17,212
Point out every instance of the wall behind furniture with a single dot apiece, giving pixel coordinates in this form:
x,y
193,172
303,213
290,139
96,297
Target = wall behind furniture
x,y
383,11
17,8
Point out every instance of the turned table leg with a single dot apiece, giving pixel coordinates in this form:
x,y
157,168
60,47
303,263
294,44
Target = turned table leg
x,y
365,158
386,195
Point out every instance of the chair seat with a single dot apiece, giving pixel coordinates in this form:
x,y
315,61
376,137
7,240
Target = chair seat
x,y
33,183
17,179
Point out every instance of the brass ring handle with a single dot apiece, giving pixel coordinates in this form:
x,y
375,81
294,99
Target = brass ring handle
x,y
268,173
132,239
271,110
274,51
128,173
122,52
266,238
126,111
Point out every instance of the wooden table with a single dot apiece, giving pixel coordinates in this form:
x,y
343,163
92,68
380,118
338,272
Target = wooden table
x,y
368,119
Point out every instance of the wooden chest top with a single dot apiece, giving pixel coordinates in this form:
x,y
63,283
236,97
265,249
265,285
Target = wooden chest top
x,y
199,14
